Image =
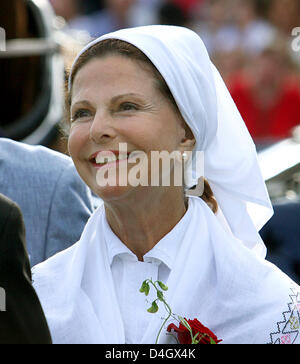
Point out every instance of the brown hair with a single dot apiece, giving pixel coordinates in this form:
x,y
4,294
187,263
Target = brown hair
x,y
118,47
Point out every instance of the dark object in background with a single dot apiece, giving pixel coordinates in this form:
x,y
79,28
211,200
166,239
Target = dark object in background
x,y
171,14
90,6
31,73
282,238
23,321
2,134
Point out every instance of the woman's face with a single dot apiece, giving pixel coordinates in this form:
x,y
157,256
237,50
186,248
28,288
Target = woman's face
x,y
115,100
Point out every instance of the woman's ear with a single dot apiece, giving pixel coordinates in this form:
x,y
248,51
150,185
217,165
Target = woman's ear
x,y
188,144
188,141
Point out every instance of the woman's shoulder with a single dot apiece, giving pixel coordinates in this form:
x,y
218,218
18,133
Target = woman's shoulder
x,y
54,266
68,261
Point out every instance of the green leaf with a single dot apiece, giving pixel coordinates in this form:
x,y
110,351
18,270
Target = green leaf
x,y
142,289
145,288
212,341
194,339
160,295
153,308
162,286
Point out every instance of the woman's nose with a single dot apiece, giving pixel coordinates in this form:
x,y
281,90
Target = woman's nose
x,y
102,129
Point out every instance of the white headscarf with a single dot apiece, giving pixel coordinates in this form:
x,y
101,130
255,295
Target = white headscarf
x,y
230,158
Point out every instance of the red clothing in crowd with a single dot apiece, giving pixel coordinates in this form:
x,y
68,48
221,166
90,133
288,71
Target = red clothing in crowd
x,y
274,121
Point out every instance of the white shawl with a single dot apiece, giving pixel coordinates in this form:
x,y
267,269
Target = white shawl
x,y
239,296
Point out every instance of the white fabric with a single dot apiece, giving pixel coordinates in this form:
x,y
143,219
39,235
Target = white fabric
x,y
230,159
238,295
128,273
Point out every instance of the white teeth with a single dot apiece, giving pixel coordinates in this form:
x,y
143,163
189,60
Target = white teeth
x,y
100,159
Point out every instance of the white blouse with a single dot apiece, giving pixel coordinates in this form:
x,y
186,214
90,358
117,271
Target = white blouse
x,y
129,274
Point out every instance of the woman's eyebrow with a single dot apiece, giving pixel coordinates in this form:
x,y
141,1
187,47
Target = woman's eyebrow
x,y
131,94
114,99
81,102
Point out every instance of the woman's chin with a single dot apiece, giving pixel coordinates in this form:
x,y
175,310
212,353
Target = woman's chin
x,y
110,193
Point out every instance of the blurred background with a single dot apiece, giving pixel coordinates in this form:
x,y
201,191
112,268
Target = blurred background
x,y
255,45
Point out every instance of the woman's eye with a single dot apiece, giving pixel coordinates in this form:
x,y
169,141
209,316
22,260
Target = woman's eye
x,y
128,106
82,113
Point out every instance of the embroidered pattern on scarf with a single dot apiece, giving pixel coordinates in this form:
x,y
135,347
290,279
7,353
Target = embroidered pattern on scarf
x,y
288,329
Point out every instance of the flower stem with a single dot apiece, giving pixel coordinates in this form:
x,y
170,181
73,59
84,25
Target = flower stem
x,y
167,307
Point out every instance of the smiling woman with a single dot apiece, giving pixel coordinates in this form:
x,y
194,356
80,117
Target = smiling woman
x,y
154,89
132,104
124,107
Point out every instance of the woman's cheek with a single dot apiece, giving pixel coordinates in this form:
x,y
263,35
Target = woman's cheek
x,y
78,139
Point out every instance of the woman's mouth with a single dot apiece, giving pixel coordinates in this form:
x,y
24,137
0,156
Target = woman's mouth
x,y
108,158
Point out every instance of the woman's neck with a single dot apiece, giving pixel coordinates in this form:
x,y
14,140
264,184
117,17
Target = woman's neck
x,y
141,222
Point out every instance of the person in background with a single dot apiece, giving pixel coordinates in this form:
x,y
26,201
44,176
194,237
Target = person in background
x,y
115,15
55,203
170,13
211,23
282,237
252,32
35,177
233,25
22,319
67,9
267,94
284,14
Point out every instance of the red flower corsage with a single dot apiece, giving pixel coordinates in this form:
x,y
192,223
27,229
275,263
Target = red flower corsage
x,y
201,334
189,331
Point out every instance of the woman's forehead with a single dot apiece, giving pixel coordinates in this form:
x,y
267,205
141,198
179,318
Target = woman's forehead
x,y
103,66
117,73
